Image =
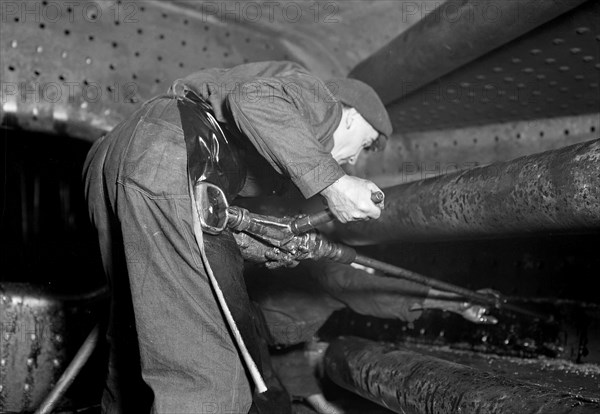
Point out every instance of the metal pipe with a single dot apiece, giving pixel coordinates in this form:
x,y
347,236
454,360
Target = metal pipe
x,y
556,190
452,35
408,382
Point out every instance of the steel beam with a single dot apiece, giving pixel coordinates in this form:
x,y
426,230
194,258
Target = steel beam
x,y
450,36
408,382
556,190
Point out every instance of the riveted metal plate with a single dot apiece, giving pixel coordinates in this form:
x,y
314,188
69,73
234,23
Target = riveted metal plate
x,y
93,63
418,155
78,68
552,71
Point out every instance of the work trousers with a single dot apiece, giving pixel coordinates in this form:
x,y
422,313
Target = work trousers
x,y
165,323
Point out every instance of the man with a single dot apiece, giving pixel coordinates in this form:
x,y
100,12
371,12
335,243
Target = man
x,y
165,323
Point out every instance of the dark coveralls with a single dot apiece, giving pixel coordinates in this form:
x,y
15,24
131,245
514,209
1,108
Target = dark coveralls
x,y
165,323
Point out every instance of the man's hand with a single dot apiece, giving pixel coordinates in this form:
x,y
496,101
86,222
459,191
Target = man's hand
x,y
255,251
349,199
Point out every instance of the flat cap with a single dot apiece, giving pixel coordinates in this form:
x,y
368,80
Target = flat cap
x,y
365,100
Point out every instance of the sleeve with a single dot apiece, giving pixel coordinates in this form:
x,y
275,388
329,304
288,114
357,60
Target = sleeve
x,y
268,116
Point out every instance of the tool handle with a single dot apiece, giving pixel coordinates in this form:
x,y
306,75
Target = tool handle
x,y
307,223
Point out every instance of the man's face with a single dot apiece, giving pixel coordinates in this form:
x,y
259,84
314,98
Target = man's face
x,y
352,136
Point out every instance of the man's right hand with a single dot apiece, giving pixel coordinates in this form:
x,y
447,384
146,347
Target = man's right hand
x,y
349,199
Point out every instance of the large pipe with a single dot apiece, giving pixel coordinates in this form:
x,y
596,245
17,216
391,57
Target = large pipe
x,y
556,190
450,36
408,382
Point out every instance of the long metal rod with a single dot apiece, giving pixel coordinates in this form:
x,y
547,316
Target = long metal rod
x,y
496,302
552,191
450,36
408,382
67,378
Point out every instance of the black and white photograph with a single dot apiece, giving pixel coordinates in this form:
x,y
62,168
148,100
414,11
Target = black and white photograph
x,y
300,206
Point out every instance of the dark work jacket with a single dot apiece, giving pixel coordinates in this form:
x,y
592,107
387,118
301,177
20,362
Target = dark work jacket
x,y
288,115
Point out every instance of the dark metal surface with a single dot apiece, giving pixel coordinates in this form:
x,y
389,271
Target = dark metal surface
x,y
409,382
552,71
453,34
553,191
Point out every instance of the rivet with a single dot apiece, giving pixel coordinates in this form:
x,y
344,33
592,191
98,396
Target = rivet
x,y
107,112
528,70
465,84
509,79
2,362
550,61
385,326
588,58
58,338
4,298
536,51
40,49
541,77
497,69
7,336
26,387
558,41
88,60
33,337
1,388
564,68
575,50
582,30
369,324
56,362
64,54
579,77
422,331
29,362
14,44
516,60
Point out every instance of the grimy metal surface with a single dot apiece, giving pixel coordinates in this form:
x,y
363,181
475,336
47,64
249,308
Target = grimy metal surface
x,y
452,35
552,71
32,347
40,334
411,383
551,191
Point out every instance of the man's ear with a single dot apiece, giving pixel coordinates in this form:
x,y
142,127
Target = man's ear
x,y
350,117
